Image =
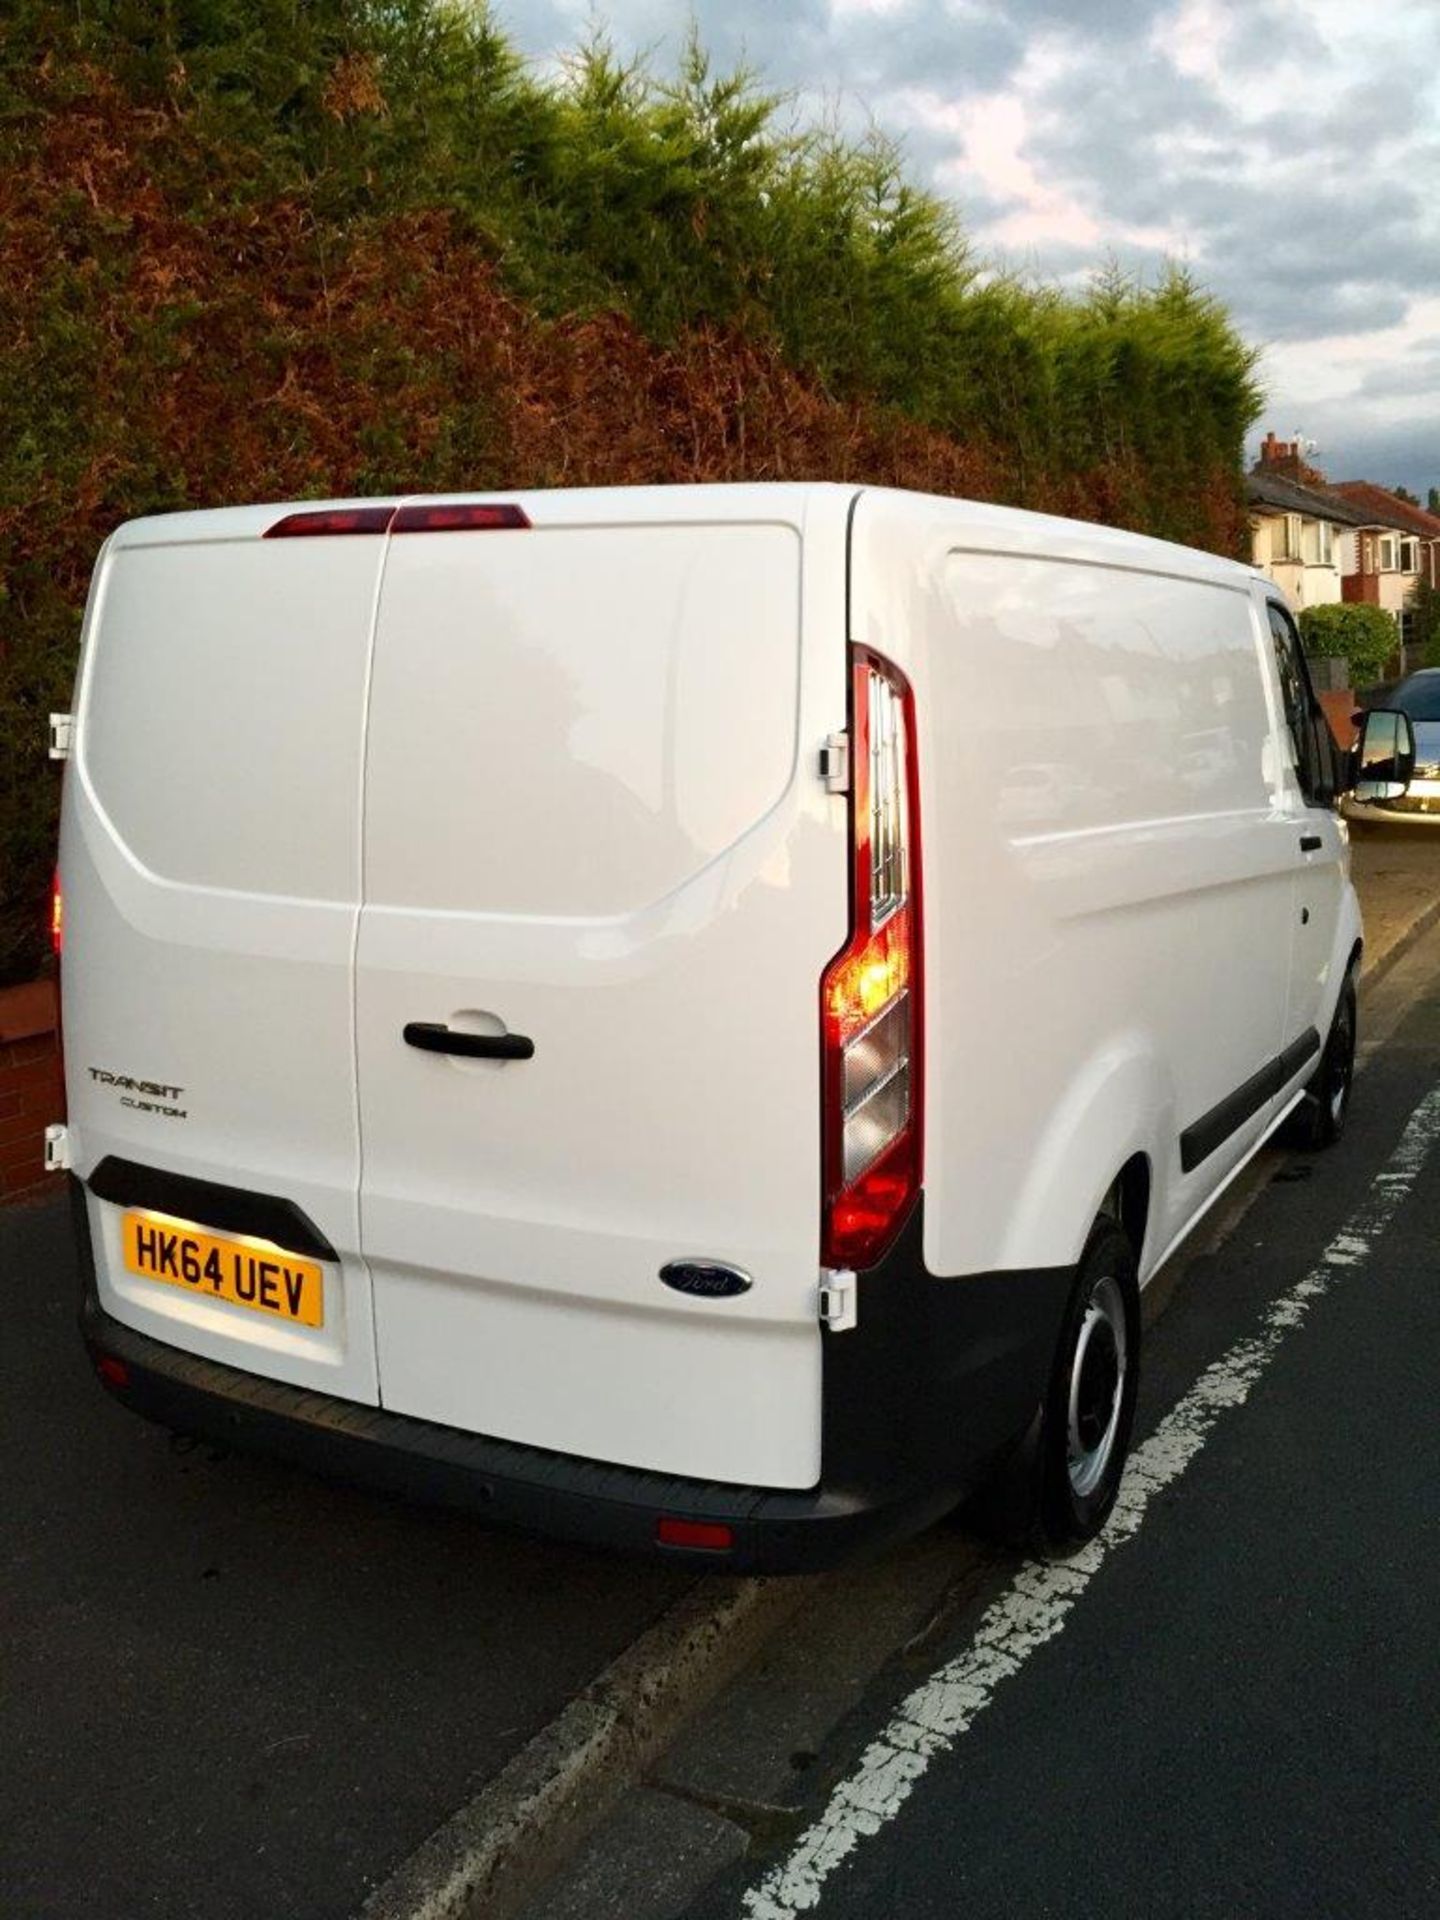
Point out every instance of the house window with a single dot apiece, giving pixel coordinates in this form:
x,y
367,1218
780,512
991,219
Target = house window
x,y
1285,538
1409,556
1324,543
1387,552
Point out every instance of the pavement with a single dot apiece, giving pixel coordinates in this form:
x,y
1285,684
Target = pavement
x,y
1396,869
229,1688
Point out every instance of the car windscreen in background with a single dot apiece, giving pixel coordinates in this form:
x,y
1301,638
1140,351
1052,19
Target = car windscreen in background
x,y
1418,696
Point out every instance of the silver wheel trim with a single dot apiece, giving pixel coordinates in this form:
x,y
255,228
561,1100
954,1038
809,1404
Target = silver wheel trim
x,y
1106,1307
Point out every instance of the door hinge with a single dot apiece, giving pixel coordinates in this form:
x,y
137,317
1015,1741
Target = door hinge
x,y
835,763
839,1299
57,1149
62,728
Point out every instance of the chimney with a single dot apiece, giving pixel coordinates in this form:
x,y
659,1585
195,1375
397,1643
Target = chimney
x,y
1283,458
1280,456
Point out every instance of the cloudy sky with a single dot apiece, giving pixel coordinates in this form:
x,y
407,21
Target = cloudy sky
x,y
1287,150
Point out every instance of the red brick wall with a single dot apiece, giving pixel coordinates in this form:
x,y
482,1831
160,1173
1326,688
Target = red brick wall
x,y
31,1090
1361,586
1338,709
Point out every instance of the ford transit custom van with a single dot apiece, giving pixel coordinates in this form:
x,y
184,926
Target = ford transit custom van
x,y
680,1017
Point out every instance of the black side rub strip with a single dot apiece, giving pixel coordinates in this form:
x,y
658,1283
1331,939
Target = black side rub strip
x,y
1214,1128
208,1204
431,1038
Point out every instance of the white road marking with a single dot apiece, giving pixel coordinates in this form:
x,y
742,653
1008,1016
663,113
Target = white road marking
x,y
1038,1601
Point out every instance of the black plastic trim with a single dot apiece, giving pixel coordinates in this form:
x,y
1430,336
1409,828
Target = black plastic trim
x,y
939,1375
1214,1128
209,1204
431,1037
937,1379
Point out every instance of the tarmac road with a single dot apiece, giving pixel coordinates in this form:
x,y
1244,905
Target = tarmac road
x,y
229,1689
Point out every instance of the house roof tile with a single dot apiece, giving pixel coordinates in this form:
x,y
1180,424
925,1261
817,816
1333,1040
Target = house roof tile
x,y
1379,507
1289,496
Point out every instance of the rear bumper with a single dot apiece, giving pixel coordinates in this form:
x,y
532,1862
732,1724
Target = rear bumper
x,y
509,1485
898,1446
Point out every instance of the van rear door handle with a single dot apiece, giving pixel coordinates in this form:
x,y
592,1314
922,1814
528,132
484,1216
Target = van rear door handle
x,y
1310,843
432,1038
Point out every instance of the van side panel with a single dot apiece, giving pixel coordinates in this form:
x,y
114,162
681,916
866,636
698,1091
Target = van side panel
x,y
210,865
1108,880
594,819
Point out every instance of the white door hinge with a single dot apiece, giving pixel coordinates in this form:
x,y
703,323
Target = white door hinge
x,y
835,763
839,1299
57,1149
62,728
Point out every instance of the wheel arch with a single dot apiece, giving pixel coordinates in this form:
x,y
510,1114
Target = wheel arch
x,y
1129,1201
1096,1155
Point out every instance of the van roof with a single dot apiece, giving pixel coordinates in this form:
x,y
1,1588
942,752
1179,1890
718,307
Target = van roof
x,y
1007,529
546,507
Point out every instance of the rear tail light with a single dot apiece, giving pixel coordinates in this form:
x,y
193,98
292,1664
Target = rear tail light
x,y
57,914
871,1005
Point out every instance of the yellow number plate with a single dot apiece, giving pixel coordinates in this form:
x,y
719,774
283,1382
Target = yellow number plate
x,y
248,1273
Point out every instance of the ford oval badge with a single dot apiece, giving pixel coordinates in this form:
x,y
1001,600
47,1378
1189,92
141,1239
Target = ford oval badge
x,y
705,1279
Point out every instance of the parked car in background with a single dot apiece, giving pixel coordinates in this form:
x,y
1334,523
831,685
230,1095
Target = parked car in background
x,y
1417,695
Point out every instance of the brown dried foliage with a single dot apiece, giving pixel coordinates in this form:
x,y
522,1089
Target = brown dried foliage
x,y
252,355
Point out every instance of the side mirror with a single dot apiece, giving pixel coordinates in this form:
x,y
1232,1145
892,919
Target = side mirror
x,y
1382,761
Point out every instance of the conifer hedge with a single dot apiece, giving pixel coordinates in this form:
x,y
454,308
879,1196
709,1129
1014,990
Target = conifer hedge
x,y
262,249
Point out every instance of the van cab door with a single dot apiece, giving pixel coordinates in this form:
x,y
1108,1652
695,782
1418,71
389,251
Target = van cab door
x,y
1305,794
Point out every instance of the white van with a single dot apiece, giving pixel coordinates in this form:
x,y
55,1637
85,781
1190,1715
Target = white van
x,y
681,1017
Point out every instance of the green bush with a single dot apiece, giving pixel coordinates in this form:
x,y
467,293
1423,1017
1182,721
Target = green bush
x,y
1354,631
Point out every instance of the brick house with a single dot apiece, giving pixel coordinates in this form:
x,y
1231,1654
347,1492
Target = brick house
x,y
1393,547
1297,536
1379,546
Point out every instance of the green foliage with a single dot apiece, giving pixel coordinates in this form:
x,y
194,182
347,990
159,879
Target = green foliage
x,y
193,196
1363,635
1432,500
1423,603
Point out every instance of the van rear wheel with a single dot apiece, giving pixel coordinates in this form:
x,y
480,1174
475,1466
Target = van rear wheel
x,y
1090,1405
1055,1489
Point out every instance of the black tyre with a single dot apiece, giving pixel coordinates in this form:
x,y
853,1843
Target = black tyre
x,y
1319,1120
1055,1489
1090,1406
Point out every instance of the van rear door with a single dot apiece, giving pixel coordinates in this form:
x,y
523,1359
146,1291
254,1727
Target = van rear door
x,y
210,861
592,834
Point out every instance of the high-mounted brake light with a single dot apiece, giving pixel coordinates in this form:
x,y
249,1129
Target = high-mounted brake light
x,y
870,994
57,914
426,516
440,516
331,520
